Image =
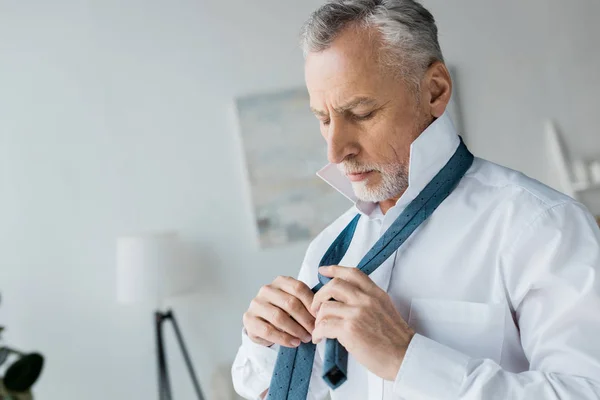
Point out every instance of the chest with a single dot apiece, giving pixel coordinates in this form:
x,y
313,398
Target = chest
x,y
445,281
447,257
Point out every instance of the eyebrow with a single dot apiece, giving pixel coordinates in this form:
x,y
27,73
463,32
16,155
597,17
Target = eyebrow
x,y
359,101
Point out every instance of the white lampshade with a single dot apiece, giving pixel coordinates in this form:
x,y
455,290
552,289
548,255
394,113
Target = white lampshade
x,y
145,264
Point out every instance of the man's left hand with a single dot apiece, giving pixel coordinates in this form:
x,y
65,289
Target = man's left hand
x,y
363,319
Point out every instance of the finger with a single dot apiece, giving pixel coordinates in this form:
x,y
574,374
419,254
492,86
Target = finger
x,y
259,328
280,319
260,341
296,288
292,305
350,274
337,289
336,309
295,308
328,328
248,325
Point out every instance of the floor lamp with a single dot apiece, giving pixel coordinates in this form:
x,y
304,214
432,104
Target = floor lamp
x,y
146,268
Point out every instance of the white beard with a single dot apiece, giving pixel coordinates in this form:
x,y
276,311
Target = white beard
x,y
394,181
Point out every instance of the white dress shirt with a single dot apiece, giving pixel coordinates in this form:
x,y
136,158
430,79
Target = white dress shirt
x,y
499,284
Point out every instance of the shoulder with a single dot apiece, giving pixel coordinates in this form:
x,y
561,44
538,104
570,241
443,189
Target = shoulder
x,y
526,209
520,198
486,175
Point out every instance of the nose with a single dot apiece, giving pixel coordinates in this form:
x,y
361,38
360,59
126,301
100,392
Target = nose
x,y
340,142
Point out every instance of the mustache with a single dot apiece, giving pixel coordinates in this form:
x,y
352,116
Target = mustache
x,y
356,167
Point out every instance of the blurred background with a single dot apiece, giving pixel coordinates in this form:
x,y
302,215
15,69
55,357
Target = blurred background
x,y
128,116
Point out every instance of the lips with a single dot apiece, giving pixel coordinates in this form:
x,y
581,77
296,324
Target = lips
x,y
357,177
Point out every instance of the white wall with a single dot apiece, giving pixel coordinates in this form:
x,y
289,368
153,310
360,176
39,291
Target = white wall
x,y
115,116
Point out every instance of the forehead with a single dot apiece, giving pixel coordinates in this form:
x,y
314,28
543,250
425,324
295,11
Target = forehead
x,y
349,66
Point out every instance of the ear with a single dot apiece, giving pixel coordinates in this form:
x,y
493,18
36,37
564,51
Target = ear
x,y
437,86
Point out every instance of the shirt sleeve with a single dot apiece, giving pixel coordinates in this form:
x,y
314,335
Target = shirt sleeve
x,y
254,364
253,368
551,274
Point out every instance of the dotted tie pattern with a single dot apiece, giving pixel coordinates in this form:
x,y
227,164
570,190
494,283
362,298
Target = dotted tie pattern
x,y
291,376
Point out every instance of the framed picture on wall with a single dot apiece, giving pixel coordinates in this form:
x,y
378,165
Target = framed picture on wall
x,y
283,150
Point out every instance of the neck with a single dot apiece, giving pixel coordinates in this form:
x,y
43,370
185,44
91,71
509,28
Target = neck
x,y
385,205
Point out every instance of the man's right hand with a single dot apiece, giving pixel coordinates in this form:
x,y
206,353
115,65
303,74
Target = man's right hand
x,y
279,314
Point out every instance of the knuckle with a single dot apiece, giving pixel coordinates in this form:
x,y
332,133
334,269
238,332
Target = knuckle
x,y
279,317
253,304
298,286
263,290
293,304
267,330
335,283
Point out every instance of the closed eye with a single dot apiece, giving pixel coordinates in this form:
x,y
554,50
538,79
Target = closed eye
x,y
356,117
364,117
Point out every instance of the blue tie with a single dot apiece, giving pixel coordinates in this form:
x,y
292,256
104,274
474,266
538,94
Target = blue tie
x,y
293,367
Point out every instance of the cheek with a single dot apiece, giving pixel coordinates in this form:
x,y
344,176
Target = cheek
x,y
386,144
379,141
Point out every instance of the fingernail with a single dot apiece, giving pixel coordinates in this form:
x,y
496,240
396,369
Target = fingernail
x,y
307,339
295,342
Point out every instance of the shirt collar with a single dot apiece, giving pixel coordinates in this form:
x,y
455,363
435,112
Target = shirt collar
x,y
428,154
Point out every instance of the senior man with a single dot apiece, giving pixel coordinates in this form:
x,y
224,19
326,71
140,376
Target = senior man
x,y
491,291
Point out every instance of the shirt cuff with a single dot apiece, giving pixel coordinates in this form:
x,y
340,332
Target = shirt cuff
x,y
263,357
430,370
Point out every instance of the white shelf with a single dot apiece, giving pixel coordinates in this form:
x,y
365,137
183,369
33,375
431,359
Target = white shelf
x,y
585,187
564,166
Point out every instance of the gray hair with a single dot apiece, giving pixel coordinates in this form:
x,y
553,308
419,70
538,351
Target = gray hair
x,y
408,31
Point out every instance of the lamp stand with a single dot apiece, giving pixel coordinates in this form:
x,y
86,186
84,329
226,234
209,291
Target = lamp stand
x,y
164,385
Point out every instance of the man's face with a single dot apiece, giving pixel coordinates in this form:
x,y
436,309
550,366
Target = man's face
x,y
368,118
